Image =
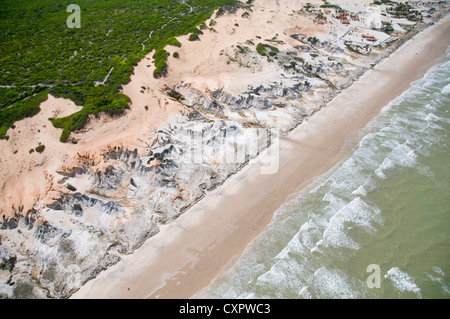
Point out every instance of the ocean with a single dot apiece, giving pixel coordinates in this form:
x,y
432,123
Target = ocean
x,y
377,225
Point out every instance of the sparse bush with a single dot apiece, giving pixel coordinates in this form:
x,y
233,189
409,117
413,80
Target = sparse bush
x,y
71,187
160,57
193,37
313,40
261,48
40,148
175,95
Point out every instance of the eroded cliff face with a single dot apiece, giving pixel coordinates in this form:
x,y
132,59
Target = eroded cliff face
x,y
106,207
97,215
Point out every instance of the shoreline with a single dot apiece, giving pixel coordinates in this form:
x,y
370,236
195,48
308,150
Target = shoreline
x,y
217,228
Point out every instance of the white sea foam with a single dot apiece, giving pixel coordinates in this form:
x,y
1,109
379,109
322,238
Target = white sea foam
x,y
402,281
331,283
294,245
360,191
446,89
304,293
438,271
438,276
356,213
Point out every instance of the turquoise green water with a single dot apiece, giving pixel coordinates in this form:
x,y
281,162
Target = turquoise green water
x,y
386,204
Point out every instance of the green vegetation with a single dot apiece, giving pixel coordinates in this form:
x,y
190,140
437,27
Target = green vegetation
x,y
9,264
177,96
40,148
160,63
330,6
404,10
27,107
313,40
265,49
308,6
242,49
77,207
232,7
71,187
353,49
39,54
193,37
389,29
321,16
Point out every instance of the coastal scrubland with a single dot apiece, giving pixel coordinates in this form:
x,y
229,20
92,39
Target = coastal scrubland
x,y
88,65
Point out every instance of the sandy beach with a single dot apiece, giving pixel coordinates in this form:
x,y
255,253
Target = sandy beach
x,y
188,253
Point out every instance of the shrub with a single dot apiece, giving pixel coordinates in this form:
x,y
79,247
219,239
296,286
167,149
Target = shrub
x,y
160,57
261,48
40,148
175,95
193,37
313,40
71,188
330,6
